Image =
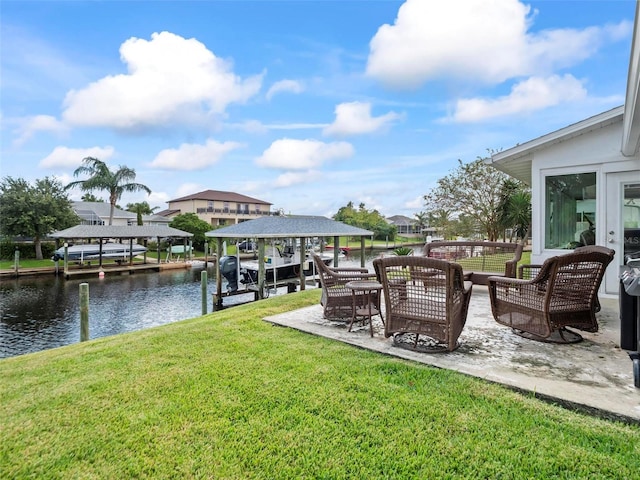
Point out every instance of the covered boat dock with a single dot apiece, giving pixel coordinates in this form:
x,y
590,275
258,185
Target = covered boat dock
x,y
102,233
300,228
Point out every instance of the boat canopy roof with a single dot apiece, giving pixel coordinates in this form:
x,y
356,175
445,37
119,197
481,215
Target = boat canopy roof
x,y
289,226
121,231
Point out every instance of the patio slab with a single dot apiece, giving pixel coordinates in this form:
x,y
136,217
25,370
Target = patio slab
x,y
594,375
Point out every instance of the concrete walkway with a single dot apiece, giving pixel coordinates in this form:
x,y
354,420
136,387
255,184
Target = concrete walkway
x,y
594,375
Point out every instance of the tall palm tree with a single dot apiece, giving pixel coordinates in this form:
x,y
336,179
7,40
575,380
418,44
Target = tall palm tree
x,y
101,178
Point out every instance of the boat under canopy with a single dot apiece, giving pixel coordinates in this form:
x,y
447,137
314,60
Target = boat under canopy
x,y
293,230
280,263
92,251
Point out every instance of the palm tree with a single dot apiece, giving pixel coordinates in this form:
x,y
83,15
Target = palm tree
x,y
140,208
422,221
101,178
514,210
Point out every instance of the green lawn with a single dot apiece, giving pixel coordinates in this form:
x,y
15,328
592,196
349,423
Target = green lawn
x,y
228,395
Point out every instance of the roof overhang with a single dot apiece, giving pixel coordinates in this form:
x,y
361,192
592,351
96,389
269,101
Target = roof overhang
x,y
631,122
121,231
291,226
516,161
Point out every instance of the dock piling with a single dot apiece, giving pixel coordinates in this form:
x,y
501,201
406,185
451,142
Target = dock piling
x,y
84,312
203,287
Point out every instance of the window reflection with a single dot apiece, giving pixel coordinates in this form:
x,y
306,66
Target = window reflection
x,y
570,210
631,219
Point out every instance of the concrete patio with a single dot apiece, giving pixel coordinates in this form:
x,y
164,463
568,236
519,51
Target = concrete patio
x,y
593,376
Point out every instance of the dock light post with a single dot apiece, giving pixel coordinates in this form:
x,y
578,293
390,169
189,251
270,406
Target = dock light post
x,y
16,260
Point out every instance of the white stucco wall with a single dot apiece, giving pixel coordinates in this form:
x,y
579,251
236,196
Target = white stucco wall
x,y
596,151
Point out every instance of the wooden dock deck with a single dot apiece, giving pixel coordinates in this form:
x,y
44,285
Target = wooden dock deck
x,y
292,285
76,271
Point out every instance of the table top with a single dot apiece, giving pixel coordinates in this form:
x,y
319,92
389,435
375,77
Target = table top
x,y
364,285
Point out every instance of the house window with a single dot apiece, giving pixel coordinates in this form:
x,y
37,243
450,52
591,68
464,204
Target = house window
x,y
225,207
258,209
570,210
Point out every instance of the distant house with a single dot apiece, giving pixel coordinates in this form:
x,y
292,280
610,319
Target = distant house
x,y
405,225
97,213
218,208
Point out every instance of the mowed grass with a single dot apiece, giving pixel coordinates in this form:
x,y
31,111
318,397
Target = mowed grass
x,y
228,395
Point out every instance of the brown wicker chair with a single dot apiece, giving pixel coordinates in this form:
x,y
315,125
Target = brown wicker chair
x,y
423,296
563,293
336,298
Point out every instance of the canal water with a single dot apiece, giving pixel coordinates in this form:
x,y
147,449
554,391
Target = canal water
x,y
39,313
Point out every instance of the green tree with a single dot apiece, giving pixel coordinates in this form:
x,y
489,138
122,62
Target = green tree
x,y
101,178
366,219
422,221
90,197
140,208
440,218
190,222
34,210
515,208
473,190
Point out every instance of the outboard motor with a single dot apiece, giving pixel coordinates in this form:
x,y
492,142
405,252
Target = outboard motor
x,y
229,270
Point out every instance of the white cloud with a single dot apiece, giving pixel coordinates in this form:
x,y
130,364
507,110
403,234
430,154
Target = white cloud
x,y
249,126
291,86
295,126
292,154
480,41
72,157
191,156
38,123
170,80
416,203
257,127
159,199
532,94
289,179
355,119
188,189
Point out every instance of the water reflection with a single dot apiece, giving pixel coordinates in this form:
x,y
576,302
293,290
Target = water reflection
x,y
44,312
38,313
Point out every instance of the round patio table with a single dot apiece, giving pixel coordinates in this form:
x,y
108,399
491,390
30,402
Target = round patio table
x,y
367,310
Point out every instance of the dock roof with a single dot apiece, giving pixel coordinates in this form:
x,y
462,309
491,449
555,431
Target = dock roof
x,y
120,231
289,226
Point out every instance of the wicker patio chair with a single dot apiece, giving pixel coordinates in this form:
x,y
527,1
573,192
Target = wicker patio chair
x,y
337,299
423,296
563,293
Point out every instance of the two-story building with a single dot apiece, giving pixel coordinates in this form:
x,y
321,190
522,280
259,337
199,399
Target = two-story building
x,y
219,208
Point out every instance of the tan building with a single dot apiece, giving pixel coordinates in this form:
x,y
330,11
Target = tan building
x,y
219,208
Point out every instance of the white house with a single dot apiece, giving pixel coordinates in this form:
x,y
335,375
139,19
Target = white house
x,y
97,213
585,180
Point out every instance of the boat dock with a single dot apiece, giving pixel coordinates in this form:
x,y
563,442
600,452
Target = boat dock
x,y
291,284
123,269
77,271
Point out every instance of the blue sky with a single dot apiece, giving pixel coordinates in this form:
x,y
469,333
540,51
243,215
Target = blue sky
x,y
304,104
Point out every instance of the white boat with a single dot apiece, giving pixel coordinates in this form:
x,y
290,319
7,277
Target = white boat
x,y
278,264
93,251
